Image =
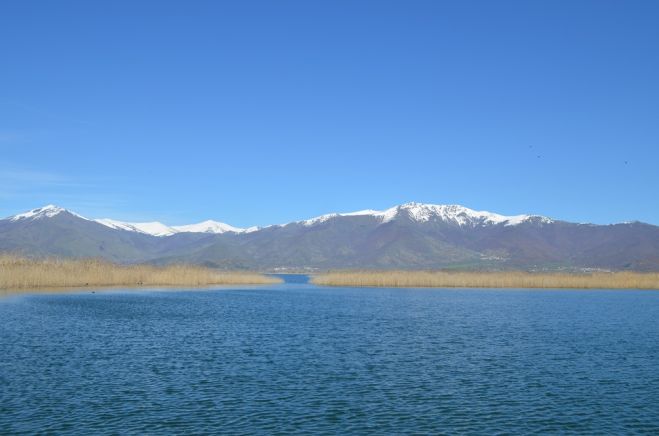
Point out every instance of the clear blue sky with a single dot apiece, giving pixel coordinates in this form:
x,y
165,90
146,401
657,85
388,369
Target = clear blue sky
x,y
264,112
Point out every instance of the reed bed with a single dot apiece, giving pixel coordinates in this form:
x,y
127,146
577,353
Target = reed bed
x,y
508,279
23,273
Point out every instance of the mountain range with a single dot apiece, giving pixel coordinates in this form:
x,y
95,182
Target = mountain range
x,y
408,236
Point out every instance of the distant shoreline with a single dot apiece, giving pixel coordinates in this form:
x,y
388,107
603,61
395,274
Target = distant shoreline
x,y
511,279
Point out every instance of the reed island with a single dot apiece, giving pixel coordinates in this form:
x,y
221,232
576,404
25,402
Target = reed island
x,y
499,279
22,273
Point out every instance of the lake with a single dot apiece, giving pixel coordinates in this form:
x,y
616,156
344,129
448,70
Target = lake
x,y
296,358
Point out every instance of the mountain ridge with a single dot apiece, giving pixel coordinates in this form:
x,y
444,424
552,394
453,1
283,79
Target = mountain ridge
x,y
408,236
457,214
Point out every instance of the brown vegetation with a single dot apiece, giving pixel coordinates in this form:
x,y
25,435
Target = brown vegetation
x,y
511,279
23,273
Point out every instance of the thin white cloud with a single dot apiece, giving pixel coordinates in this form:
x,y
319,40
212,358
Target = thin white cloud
x,y
10,137
24,188
17,183
13,176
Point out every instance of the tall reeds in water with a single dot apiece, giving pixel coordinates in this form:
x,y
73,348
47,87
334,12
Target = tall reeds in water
x,y
22,273
510,279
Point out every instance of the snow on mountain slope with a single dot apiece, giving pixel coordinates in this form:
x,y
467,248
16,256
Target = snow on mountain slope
x,y
420,212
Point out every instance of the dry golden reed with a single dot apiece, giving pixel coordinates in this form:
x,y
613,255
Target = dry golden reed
x,y
510,279
22,273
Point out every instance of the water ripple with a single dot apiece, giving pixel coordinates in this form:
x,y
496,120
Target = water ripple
x,y
300,359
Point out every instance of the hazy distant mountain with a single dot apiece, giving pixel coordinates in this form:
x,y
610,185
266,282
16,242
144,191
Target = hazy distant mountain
x,y
412,235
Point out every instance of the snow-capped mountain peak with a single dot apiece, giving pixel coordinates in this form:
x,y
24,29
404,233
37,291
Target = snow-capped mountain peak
x,y
319,219
326,217
208,226
153,228
47,211
457,214
421,212
156,228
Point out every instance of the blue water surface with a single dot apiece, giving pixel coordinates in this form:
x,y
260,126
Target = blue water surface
x,y
296,358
